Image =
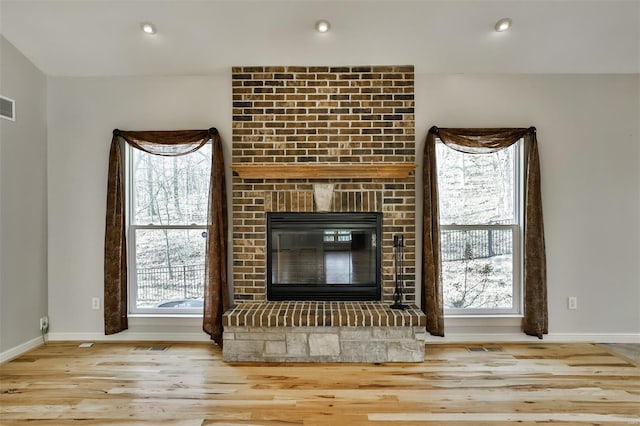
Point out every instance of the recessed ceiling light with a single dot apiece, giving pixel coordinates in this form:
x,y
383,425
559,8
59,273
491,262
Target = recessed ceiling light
x,y
503,24
323,26
148,28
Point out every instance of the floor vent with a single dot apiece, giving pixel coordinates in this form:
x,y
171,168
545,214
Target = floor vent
x,y
484,349
151,348
7,108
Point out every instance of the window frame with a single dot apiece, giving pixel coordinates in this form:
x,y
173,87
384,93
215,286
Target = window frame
x,y
517,230
132,282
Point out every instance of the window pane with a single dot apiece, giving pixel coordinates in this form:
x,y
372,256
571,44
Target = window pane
x,y
477,268
170,268
476,188
171,190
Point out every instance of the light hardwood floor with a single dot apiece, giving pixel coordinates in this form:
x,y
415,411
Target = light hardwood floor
x,y
188,384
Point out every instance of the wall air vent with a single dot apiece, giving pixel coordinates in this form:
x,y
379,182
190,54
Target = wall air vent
x,y
7,108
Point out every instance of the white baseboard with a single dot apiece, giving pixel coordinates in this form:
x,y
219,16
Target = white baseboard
x,y
549,338
131,336
595,338
449,338
20,349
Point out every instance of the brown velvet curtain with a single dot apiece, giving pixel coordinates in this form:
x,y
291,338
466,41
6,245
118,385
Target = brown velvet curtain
x,y
216,292
478,141
166,143
431,267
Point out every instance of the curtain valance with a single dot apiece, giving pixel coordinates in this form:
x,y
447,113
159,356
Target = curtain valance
x,y
476,141
168,142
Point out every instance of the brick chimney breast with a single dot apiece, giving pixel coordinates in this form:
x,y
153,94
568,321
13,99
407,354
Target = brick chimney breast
x,y
288,115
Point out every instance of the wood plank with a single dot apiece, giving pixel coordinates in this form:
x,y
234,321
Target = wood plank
x,y
323,171
188,384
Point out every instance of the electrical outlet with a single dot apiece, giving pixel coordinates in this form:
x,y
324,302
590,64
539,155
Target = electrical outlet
x,y
95,303
44,324
572,302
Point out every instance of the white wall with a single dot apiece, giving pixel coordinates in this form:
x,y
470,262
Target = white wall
x,y
83,113
23,209
589,145
589,142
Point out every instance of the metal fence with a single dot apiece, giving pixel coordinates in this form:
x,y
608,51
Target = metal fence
x,y
458,244
164,283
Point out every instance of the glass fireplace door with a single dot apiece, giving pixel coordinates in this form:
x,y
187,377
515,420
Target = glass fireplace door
x,y
323,256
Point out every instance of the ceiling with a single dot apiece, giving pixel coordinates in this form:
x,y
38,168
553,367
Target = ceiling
x,y
103,38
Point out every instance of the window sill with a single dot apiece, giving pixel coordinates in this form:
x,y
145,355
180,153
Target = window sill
x,y
165,320
483,316
155,315
490,321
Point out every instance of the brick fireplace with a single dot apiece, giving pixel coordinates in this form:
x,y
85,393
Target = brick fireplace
x,y
294,127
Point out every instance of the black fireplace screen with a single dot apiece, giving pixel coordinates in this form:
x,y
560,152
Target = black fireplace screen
x,y
323,256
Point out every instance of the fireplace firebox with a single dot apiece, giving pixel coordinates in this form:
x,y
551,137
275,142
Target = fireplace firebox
x,y
324,256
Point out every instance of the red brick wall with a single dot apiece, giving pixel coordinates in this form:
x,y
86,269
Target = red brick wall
x,y
285,115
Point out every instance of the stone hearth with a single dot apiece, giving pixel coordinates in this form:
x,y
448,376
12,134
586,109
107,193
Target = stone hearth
x,y
323,332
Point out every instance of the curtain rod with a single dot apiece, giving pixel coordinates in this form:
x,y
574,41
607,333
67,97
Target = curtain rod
x,y
212,131
436,130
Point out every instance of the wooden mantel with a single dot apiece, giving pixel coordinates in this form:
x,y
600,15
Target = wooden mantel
x,y
323,171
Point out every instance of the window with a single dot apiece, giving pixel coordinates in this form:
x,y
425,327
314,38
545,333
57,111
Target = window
x,y
337,236
167,199
480,230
